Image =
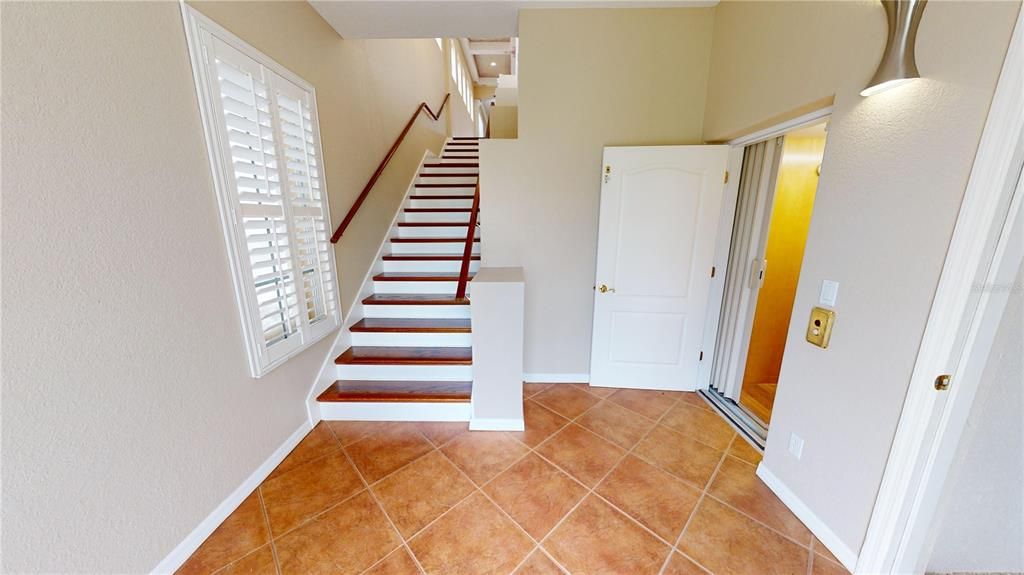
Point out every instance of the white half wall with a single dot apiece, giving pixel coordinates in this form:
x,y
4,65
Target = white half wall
x,y
497,314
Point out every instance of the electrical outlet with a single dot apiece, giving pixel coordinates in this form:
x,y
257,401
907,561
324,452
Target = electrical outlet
x,y
796,445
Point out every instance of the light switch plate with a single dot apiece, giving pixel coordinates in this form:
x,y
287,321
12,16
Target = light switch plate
x,y
796,445
829,292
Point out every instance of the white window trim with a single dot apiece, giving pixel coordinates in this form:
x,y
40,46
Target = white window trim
x,y
260,362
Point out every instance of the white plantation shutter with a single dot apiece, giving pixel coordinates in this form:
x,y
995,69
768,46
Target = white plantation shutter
x,y
306,201
264,143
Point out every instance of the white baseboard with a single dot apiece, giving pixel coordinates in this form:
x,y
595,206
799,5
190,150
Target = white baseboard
x,y
496,424
176,558
842,552
344,411
556,377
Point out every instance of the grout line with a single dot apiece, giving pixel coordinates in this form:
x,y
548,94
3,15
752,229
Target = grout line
x,y
552,559
437,446
399,549
696,507
525,558
270,534
592,490
235,561
403,543
774,530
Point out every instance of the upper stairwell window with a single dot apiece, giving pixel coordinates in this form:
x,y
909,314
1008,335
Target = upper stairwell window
x,y
461,77
264,144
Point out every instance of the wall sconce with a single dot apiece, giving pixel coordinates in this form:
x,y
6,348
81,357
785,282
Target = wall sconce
x,y
898,65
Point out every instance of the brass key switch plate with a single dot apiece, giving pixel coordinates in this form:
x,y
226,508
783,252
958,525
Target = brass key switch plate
x,y
819,328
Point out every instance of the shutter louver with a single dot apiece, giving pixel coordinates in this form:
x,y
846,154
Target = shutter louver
x,y
306,200
273,199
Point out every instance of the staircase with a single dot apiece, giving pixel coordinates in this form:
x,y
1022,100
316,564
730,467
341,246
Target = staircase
x,y
413,343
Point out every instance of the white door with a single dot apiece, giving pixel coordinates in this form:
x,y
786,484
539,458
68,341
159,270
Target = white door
x,y
656,242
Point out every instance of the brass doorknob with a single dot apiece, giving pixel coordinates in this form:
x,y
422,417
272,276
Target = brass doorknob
x,y
942,382
605,289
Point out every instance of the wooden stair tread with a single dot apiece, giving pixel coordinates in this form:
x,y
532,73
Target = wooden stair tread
x,y
397,391
382,355
417,277
412,325
429,240
441,197
433,224
451,157
453,165
414,299
438,210
451,175
428,257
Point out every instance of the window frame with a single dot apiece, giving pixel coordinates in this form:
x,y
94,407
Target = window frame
x,y
262,358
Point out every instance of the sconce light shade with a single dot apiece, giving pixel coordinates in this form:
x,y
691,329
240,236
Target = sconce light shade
x,y
898,65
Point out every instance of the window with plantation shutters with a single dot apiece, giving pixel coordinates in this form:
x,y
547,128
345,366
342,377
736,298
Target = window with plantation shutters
x,y
264,144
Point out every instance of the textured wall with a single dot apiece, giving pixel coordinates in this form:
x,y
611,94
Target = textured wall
x,y
892,179
129,413
587,79
982,529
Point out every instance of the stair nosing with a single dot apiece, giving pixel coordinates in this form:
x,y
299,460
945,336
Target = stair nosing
x,y
348,357
331,395
417,277
424,328
435,299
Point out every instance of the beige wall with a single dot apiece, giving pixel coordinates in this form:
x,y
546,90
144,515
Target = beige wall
x,y
587,79
481,92
893,176
982,528
504,122
129,414
461,122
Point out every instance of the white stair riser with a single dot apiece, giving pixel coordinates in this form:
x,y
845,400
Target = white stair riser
x,y
434,232
440,217
461,151
400,339
445,191
374,411
448,179
449,170
417,311
432,248
406,372
415,287
459,204
464,160
453,266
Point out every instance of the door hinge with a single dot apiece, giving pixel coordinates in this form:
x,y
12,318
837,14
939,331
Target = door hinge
x,y
701,358
725,179
712,271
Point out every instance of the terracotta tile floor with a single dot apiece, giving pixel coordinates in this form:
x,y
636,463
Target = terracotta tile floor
x,y
601,482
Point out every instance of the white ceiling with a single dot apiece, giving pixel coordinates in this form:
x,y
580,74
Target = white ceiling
x,y
454,18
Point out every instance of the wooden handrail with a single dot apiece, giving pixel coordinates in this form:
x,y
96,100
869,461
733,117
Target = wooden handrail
x,y
383,164
467,252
